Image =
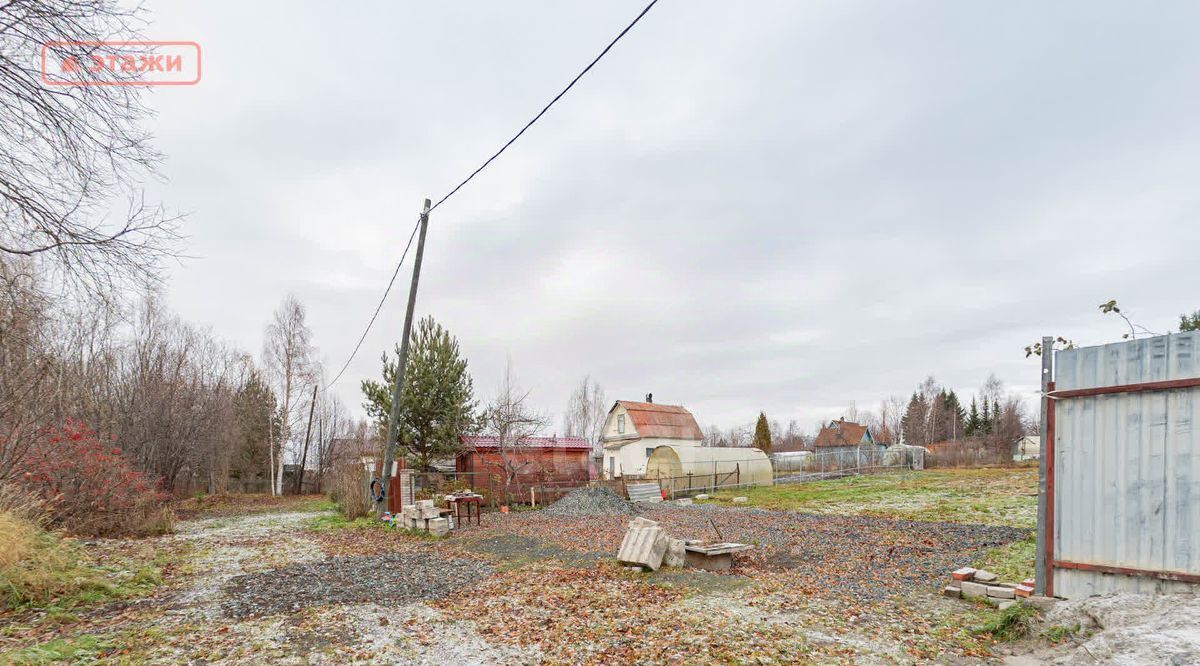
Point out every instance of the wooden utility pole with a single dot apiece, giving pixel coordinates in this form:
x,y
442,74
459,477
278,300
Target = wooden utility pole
x,y
393,433
307,432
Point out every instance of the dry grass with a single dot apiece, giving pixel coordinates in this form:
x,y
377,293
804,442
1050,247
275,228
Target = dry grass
x,y
36,566
140,521
21,504
245,504
347,487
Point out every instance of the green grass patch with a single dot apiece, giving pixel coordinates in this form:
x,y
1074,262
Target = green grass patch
x,y
993,496
1012,623
125,647
1059,634
335,521
318,504
85,648
1012,561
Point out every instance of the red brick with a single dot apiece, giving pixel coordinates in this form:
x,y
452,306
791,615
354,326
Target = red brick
x,y
1023,590
965,573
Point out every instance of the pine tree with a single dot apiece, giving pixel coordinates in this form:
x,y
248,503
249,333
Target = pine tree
x,y
985,419
437,403
762,434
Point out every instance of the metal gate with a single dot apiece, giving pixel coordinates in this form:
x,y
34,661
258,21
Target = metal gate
x,y
1119,500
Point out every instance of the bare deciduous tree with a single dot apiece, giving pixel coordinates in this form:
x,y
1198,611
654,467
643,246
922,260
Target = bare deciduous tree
x,y
512,422
68,153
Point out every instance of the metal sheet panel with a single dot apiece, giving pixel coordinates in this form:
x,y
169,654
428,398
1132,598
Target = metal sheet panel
x,y
1127,466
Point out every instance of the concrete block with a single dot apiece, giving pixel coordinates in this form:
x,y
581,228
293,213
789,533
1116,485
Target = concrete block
x,y
643,546
439,526
642,522
952,591
740,500
1000,592
1023,590
424,503
965,573
684,501
982,576
1006,604
415,523
973,590
702,496
429,512
675,556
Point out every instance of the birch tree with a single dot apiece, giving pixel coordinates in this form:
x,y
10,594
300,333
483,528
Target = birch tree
x,y
288,358
586,412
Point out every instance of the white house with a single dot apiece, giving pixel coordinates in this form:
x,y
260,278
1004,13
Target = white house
x,y
634,429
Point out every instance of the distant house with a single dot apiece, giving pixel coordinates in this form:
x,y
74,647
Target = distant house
x,y
634,429
1028,447
850,443
539,460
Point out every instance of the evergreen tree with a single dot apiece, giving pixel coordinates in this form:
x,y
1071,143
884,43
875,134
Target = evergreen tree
x,y
912,424
437,403
972,425
995,416
985,419
1189,322
762,434
959,415
255,413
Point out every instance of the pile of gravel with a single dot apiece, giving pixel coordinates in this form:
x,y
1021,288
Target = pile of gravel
x,y
591,502
406,577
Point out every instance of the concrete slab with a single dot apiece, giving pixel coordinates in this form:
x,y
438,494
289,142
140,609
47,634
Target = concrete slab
x,y
643,546
972,590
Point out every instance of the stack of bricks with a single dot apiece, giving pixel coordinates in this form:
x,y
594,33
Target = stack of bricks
x,y
969,583
423,516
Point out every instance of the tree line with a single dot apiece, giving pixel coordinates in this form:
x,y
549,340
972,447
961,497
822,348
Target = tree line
x,y
192,410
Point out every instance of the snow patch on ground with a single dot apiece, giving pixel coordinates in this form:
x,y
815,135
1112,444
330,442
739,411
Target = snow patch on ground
x,y
1126,629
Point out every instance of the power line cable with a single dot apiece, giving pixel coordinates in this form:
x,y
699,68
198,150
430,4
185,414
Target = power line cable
x,y
547,107
379,306
476,172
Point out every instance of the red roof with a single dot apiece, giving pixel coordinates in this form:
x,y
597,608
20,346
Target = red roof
x,y
665,421
840,433
489,442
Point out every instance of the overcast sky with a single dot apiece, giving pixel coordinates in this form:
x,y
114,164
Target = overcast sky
x,y
778,206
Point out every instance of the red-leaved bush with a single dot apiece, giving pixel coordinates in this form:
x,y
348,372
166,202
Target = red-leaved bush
x,y
90,487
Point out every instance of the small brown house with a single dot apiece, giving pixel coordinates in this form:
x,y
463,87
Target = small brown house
x,y
556,461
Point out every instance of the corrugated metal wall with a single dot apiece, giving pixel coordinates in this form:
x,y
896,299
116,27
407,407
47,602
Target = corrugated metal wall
x,y
1127,466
